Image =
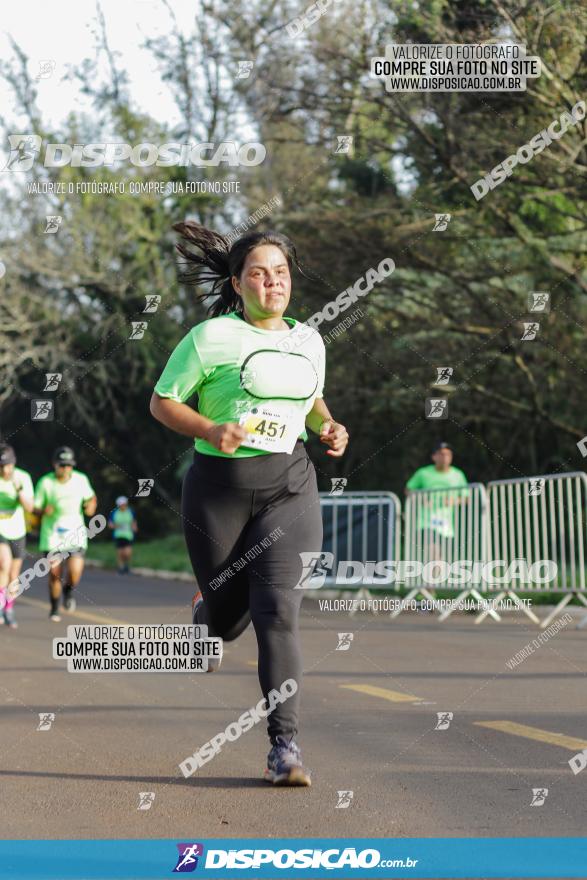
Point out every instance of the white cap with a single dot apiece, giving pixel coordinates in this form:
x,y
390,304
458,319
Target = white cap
x,y
122,499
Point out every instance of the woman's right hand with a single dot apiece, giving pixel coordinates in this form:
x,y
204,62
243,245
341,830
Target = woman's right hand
x,y
226,437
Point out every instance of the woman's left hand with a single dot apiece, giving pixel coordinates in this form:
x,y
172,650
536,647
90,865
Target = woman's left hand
x,y
334,435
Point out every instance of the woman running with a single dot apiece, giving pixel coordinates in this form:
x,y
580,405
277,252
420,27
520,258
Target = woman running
x,y
250,502
16,497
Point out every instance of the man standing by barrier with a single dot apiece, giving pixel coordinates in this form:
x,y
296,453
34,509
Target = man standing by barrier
x,y
435,519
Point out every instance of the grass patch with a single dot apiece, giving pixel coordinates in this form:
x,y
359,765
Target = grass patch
x,y
165,554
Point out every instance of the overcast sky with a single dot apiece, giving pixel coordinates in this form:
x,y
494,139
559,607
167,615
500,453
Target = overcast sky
x,y
63,31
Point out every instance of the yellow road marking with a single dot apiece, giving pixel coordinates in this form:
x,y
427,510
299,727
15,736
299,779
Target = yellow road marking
x,y
384,693
548,736
81,615
251,663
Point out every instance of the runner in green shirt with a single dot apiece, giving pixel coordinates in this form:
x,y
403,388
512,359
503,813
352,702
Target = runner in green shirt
x,y
16,497
250,504
245,376
435,519
62,497
123,524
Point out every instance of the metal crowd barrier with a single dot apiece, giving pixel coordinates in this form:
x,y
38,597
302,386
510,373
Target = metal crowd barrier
x,y
528,519
442,526
541,518
362,527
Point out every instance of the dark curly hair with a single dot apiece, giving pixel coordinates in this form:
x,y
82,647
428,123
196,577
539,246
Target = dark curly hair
x,y
218,260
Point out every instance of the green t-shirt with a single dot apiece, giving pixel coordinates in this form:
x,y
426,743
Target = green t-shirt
x,y
12,521
122,521
64,527
234,366
434,513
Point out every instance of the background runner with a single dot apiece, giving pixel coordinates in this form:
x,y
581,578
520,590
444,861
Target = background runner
x,y
62,497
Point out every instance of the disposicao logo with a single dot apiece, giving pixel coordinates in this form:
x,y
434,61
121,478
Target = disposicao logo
x,y
187,859
25,149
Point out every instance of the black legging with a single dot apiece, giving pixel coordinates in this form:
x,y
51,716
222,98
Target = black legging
x,y
230,506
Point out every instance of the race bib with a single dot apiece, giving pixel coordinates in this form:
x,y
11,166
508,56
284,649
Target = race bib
x,y
272,427
67,527
439,522
67,521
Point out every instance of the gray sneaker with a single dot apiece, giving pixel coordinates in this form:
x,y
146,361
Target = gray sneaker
x,y
284,764
9,618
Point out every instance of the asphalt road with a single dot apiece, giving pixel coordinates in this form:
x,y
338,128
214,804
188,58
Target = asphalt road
x,y
368,726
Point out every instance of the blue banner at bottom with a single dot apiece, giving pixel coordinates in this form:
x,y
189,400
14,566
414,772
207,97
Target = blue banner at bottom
x,y
362,857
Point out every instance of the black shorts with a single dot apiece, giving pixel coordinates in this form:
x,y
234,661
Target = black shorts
x,y
123,542
17,546
67,551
